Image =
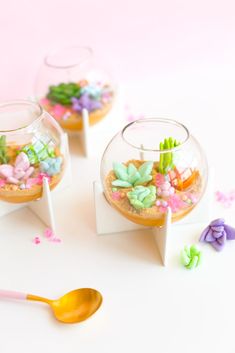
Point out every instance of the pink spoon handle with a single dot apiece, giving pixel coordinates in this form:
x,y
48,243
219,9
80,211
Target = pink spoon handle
x,y
12,295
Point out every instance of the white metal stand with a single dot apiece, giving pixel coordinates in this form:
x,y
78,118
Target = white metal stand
x,y
43,207
161,236
109,220
83,136
85,132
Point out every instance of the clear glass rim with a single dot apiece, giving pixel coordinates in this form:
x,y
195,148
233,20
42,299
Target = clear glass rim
x,y
57,51
157,120
22,103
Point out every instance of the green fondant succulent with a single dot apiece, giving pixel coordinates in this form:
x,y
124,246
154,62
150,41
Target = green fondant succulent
x,y
128,176
3,150
190,257
142,197
167,159
63,93
38,152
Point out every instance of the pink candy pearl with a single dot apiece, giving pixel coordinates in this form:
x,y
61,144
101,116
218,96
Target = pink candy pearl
x,y
166,186
36,240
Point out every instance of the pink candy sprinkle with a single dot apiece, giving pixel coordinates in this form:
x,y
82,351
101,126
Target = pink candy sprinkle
x,y
37,181
158,203
159,179
56,240
130,117
226,199
41,176
116,196
44,101
49,234
2,182
36,240
58,111
175,203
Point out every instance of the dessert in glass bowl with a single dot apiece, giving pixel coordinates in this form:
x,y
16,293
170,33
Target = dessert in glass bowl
x,y
31,148
69,82
150,165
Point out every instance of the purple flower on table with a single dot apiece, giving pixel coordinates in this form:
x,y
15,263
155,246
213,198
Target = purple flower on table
x,y
85,102
217,233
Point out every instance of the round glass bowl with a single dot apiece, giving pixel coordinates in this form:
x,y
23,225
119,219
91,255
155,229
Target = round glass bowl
x,y
31,148
150,165
70,81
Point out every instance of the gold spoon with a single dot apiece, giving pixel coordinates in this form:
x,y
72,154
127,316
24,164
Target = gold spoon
x,y
73,307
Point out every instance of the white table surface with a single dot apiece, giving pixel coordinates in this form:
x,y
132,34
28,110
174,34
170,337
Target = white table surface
x,y
146,308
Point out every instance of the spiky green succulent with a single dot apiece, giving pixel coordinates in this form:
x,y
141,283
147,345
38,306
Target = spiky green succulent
x,y
3,150
64,92
167,159
142,197
128,176
38,152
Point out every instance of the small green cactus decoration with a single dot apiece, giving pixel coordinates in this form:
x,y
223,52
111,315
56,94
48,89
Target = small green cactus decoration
x,y
131,176
167,159
38,152
63,93
190,257
3,150
142,197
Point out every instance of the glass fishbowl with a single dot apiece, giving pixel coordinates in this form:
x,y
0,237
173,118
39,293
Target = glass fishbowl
x,y
70,81
150,165
32,147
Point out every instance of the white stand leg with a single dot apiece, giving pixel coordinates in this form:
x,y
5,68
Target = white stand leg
x,y
107,219
85,132
161,235
110,221
43,207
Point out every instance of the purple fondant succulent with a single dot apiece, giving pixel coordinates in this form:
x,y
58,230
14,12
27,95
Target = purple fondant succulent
x,y
85,102
217,233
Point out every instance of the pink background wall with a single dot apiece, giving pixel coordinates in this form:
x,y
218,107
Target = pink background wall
x,y
145,41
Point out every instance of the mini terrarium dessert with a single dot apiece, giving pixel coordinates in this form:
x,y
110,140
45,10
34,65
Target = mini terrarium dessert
x,y
69,82
145,170
31,149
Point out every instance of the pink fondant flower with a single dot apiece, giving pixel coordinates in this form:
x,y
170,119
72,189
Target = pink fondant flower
x,y
20,171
